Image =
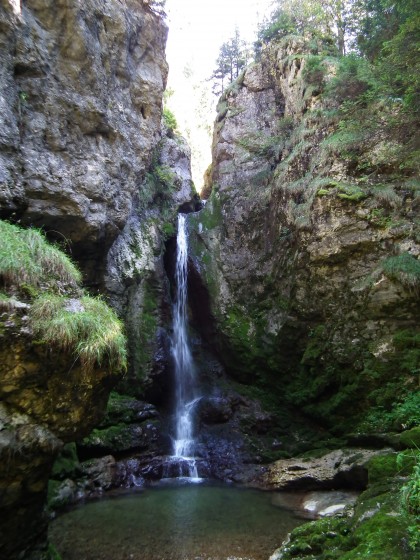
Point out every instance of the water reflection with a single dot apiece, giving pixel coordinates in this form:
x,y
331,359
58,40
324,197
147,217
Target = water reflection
x,y
190,522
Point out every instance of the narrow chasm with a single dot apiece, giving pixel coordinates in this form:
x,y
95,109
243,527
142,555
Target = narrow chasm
x,y
228,379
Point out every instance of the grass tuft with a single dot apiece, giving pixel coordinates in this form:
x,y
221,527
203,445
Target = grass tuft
x,y
26,257
404,269
86,326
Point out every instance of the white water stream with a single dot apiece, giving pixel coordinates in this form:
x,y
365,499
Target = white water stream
x,y
185,377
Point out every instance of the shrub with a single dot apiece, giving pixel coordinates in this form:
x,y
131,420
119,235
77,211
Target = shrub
x,y
86,326
354,80
26,257
169,120
314,71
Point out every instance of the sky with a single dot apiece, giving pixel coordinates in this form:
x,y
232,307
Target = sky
x,y
197,29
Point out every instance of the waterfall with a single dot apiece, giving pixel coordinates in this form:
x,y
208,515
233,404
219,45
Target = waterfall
x,y
185,393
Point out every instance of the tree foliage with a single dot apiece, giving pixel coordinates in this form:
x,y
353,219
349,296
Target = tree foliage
x,y
330,22
382,36
234,55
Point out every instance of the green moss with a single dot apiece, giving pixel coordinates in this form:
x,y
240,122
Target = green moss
x,y
168,229
117,438
381,536
121,409
323,539
382,466
385,467
315,346
211,215
378,529
411,438
53,486
379,218
148,321
353,193
52,553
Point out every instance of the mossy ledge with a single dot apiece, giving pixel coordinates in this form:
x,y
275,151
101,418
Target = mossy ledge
x,y
63,315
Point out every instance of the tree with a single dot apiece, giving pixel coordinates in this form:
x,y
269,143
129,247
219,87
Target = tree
x,y
233,57
326,21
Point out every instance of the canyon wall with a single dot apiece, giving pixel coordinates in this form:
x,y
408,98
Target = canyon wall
x,y
81,106
309,250
85,157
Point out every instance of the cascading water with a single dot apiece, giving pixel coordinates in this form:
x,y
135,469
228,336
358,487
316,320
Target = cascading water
x,y
186,392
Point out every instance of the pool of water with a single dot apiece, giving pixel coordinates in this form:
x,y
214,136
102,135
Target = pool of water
x,y
174,522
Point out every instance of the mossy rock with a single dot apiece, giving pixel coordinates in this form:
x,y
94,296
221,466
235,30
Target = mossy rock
x,y
411,438
382,536
322,539
67,463
382,467
123,409
120,438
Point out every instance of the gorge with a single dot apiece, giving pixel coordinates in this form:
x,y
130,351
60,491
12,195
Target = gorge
x,y
282,334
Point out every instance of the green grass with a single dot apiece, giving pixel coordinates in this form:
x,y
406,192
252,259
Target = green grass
x,y
85,326
404,269
410,503
26,257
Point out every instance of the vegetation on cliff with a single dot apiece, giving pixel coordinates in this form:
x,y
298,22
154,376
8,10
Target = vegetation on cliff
x,y
61,314
337,167
309,246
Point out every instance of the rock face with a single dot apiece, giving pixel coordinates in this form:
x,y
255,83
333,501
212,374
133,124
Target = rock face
x,y
296,246
80,113
135,278
83,155
46,400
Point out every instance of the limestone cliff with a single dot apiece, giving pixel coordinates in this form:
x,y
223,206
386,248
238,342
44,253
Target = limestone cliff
x,y
81,101
310,254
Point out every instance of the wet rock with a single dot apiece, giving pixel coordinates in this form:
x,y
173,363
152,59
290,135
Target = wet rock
x,y
215,410
119,438
313,505
102,473
63,494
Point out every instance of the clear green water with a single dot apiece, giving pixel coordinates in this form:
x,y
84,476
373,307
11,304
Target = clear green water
x,y
187,522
